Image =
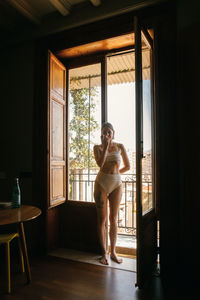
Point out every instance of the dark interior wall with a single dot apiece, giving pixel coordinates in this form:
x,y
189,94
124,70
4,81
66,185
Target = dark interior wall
x,y
16,123
17,92
168,172
179,134
188,28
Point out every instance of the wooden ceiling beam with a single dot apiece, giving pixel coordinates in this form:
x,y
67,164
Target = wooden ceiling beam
x,y
95,2
147,38
25,9
63,6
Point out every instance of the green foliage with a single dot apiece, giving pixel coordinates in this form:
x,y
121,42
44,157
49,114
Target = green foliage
x,y
81,124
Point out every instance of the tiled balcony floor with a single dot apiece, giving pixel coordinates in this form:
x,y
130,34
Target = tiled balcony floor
x,y
126,241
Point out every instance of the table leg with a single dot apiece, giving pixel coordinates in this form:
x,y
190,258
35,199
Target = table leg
x,y
24,250
8,266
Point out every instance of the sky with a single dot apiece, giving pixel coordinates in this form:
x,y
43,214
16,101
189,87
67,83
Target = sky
x,y
121,113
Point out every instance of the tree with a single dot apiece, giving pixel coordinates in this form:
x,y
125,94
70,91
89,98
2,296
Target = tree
x,y
82,127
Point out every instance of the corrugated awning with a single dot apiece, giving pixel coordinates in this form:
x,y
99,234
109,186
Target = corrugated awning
x,y
120,69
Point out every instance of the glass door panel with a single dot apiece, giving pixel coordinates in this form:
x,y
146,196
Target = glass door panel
x,y
83,130
121,113
147,200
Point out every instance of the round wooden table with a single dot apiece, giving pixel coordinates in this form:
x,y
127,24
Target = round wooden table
x,y
18,216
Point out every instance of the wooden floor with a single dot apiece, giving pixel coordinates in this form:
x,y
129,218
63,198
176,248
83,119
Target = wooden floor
x,y
60,279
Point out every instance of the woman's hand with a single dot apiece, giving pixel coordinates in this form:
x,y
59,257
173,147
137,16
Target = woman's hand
x,y
126,166
106,141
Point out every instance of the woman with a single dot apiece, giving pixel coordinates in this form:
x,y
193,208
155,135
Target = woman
x,y
108,186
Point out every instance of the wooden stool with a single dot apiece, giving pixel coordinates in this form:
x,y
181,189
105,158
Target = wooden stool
x,y
6,239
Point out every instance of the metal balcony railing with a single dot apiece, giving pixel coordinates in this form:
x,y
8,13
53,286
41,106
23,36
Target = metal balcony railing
x,y
82,189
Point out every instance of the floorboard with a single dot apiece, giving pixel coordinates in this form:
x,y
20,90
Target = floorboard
x,y
56,278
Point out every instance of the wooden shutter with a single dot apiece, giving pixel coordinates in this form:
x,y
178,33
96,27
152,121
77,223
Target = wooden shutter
x,y
57,132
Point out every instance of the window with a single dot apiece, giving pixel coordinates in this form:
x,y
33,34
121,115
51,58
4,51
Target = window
x,y
84,130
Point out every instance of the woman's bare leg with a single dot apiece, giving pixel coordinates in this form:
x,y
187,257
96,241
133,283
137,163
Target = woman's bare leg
x,y
114,201
100,197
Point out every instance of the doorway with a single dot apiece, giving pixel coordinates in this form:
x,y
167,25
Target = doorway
x,y
88,83
85,117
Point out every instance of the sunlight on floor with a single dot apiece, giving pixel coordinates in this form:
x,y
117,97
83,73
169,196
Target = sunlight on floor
x,y
128,264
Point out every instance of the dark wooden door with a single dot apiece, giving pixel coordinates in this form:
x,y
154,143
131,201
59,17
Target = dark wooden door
x,y
145,200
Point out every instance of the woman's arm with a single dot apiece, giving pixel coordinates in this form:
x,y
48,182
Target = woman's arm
x,y
126,162
100,156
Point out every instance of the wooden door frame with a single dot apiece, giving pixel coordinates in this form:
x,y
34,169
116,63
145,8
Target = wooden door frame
x,y
40,165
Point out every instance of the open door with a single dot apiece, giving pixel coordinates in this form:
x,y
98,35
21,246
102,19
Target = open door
x,y
145,204
57,131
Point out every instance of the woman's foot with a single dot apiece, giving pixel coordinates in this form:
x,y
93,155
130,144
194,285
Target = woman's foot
x,y
103,260
115,258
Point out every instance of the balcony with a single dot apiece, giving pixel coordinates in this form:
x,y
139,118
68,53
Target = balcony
x,y
82,188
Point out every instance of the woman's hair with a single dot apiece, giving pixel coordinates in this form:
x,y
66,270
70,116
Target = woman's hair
x,y
107,124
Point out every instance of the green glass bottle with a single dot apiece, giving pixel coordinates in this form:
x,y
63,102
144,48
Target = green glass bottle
x,y
16,194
